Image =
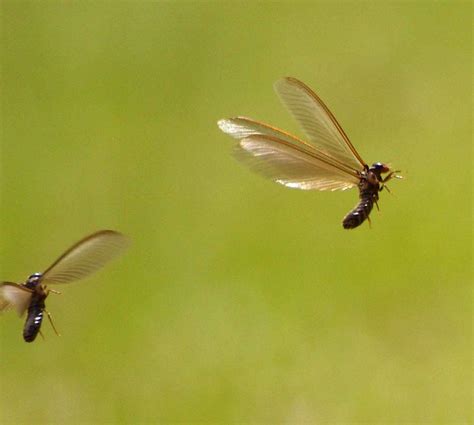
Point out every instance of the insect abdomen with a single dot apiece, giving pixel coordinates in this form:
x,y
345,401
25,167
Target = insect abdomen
x,y
33,321
357,216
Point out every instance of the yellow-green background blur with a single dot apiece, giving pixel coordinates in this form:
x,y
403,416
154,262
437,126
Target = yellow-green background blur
x,y
240,301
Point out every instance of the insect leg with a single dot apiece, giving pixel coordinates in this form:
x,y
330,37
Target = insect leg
x,y
51,321
53,291
41,333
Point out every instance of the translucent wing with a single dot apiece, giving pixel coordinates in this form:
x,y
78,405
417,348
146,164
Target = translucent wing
x,y
86,257
292,167
317,121
285,158
14,296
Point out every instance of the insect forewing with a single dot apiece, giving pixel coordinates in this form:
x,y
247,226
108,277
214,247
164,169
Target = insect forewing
x,y
14,296
317,121
86,256
292,167
286,159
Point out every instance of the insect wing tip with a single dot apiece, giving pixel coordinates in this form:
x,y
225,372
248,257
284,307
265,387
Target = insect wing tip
x,y
123,242
226,126
14,296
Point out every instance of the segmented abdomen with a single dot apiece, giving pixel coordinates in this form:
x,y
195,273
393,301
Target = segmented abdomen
x,y
33,321
357,216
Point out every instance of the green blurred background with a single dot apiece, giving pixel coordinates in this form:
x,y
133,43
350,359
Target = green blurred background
x,y
241,301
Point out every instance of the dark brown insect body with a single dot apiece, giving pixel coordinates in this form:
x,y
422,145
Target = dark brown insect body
x,y
35,312
326,161
370,184
83,258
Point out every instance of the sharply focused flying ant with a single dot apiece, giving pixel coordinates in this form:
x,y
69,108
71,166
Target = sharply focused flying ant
x,y
327,161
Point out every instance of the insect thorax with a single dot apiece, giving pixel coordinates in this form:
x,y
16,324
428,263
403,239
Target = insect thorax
x,y
33,281
369,185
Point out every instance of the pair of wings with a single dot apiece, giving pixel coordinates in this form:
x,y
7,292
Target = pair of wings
x,y
328,161
83,258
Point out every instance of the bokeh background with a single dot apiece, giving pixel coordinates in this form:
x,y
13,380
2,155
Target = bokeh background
x,y
241,301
